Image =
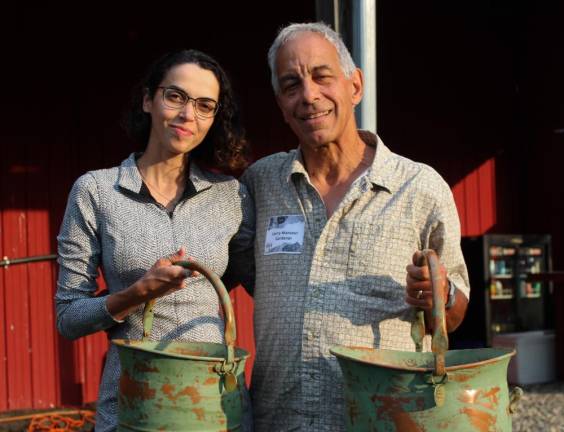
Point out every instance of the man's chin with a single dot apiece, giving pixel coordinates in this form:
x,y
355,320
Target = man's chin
x,y
316,139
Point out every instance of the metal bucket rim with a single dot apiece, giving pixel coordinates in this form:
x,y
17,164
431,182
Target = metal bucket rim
x,y
125,343
509,352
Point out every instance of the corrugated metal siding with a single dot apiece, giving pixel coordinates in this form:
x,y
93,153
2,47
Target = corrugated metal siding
x,y
3,323
42,321
91,352
29,342
16,309
475,198
244,308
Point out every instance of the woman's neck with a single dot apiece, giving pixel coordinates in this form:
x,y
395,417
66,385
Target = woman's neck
x,y
165,178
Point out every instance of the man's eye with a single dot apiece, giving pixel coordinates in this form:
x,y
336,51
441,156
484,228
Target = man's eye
x,y
289,85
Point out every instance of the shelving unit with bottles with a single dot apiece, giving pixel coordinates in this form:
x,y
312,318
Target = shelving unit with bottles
x,y
501,298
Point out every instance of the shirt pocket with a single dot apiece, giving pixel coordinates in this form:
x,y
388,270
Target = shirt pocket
x,y
379,253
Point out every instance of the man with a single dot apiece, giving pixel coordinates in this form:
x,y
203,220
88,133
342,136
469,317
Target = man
x,y
338,220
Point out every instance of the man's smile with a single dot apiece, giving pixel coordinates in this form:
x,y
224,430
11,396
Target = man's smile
x,y
315,115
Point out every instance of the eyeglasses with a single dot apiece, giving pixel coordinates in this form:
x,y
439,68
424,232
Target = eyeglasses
x,y
176,98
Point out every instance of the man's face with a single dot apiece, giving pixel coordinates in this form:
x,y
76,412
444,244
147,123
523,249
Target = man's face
x,y
316,98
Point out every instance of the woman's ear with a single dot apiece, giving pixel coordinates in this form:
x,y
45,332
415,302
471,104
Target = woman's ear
x,y
147,101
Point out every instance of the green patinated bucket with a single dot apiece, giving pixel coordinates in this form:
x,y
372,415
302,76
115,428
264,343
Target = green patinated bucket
x,y
462,390
182,386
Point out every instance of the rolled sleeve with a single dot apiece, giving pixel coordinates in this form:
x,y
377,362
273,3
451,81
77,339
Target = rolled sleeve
x,y
445,239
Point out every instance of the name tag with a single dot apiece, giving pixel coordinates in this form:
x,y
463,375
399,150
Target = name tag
x,y
285,235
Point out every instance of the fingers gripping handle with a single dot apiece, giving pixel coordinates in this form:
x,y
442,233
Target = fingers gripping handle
x,y
230,329
439,344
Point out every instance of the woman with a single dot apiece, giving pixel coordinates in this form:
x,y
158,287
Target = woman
x,y
160,206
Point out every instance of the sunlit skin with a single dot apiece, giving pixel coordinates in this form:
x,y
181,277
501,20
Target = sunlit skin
x,y
316,98
317,101
175,132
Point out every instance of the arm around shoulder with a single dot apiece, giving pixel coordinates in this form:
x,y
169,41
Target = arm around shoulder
x,y
241,267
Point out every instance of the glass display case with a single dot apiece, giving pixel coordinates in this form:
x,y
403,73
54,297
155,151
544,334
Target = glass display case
x,y
502,300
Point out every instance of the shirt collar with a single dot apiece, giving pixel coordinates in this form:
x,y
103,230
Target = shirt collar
x,y
380,173
128,176
296,165
130,179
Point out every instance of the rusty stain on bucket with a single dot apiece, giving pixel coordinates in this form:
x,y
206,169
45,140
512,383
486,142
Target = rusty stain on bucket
x,y
133,389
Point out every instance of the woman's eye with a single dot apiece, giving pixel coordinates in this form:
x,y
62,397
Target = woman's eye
x,y
175,96
205,107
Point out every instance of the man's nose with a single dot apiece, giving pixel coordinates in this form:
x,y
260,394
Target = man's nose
x,y
310,91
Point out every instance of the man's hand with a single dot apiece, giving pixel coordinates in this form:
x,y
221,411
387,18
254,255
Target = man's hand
x,y
419,293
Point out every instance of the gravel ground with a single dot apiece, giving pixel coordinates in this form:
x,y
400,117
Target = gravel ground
x,y
541,409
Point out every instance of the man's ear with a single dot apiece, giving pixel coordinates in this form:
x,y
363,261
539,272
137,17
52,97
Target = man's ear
x,y
357,83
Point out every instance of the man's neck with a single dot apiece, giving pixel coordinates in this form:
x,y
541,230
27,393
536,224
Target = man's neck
x,y
332,168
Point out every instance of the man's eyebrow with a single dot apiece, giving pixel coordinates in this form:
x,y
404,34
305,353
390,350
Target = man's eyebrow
x,y
322,68
290,76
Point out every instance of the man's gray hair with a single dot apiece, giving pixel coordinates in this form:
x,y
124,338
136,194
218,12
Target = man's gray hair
x,y
291,31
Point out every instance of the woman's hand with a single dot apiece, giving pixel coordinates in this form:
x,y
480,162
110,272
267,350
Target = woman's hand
x,y
162,279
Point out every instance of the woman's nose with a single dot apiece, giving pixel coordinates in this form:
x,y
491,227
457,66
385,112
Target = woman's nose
x,y
188,111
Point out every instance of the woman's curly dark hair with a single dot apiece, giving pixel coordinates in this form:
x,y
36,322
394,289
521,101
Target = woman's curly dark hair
x,y
224,146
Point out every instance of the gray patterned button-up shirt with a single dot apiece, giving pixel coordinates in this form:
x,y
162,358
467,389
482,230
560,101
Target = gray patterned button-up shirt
x,y
112,222
342,282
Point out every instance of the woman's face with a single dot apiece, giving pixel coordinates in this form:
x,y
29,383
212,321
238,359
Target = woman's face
x,y
177,131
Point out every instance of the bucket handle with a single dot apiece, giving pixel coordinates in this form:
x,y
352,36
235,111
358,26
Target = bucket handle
x,y
439,344
230,330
